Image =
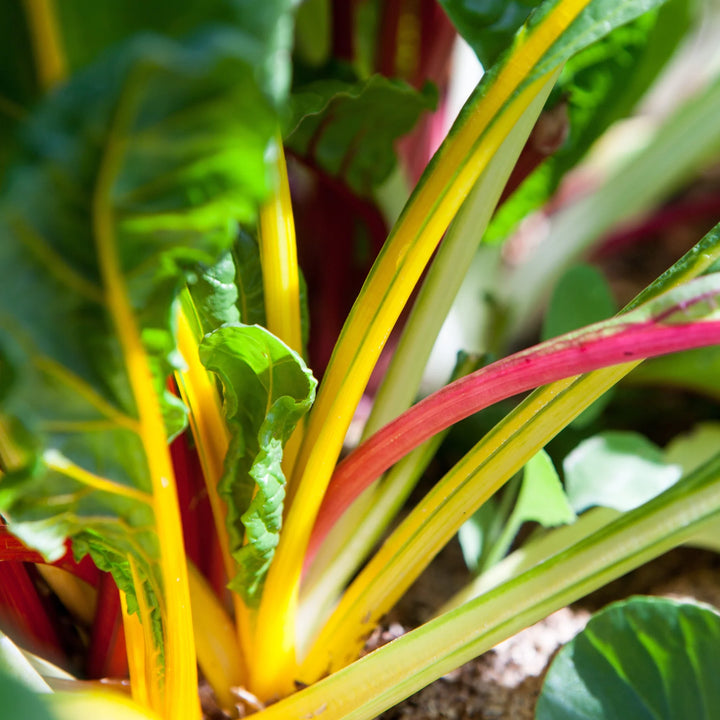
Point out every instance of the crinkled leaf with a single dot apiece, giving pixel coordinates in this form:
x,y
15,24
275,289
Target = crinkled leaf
x,y
644,658
178,134
215,294
601,85
267,389
620,470
349,129
488,26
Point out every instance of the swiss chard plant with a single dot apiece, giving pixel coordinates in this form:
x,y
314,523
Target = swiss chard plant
x,y
170,465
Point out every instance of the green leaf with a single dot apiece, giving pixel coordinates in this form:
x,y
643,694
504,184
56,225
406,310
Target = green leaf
x,y
602,84
215,294
696,370
267,389
478,532
263,32
581,297
620,470
690,450
642,658
147,158
249,279
488,26
349,129
542,498
18,701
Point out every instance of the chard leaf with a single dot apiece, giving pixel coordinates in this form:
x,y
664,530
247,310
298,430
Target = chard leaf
x,y
619,470
488,26
267,389
641,658
602,84
263,34
133,174
349,129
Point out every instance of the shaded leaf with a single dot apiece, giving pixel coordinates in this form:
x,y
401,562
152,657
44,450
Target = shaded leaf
x,y
349,129
133,174
263,33
488,26
620,470
267,389
690,450
582,296
651,658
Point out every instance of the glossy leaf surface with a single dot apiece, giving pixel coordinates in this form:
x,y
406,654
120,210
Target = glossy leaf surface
x,y
645,658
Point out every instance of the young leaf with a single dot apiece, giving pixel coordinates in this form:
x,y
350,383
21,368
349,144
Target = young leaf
x,y
349,130
641,658
620,470
267,389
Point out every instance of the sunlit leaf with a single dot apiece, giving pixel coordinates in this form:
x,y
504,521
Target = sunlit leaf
x,y
644,658
267,389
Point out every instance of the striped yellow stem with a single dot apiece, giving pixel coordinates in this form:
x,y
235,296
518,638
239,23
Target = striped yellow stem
x,y
179,687
454,171
200,395
46,42
281,279
217,649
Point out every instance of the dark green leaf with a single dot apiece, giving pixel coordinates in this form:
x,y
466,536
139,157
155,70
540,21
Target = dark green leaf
x,y
620,470
267,389
19,87
488,26
645,658
349,130
148,157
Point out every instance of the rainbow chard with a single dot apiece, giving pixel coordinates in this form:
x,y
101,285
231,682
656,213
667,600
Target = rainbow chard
x,y
152,339
121,194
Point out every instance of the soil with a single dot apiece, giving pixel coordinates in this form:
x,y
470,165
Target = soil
x,y
504,683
